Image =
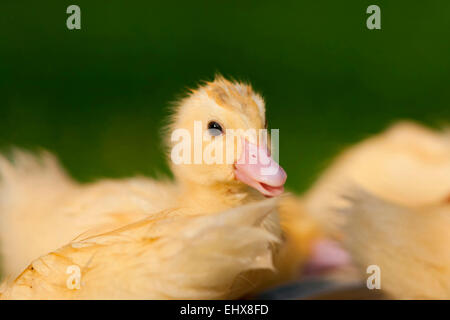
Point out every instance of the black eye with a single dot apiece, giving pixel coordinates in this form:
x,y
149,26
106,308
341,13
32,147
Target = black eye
x,y
214,129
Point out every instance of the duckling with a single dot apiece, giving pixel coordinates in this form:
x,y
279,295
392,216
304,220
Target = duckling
x,y
387,201
42,211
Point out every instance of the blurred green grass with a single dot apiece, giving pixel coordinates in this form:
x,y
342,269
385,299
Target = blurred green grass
x,y
98,97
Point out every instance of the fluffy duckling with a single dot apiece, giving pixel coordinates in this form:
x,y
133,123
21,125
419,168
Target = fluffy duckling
x,y
400,221
150,239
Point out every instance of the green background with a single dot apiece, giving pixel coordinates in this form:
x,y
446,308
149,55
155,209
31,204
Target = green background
x,y
98,97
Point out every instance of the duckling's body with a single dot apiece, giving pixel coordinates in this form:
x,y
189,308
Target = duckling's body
x,y
411,246
43,209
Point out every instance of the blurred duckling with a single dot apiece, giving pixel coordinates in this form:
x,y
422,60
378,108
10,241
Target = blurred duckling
x,y
134,230
387,201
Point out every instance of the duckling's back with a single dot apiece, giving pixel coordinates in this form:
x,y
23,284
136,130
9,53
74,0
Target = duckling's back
x,y
42,208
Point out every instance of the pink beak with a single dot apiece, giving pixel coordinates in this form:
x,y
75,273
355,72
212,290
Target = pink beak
x,y
256,168
327,255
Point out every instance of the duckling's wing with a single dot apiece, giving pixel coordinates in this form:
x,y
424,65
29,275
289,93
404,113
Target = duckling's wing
x,y
169,257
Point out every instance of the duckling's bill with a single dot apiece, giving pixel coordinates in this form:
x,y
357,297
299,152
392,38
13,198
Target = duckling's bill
x,y
259,170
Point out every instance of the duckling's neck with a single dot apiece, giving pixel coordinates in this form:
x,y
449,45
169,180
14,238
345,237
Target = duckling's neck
x,y
203,199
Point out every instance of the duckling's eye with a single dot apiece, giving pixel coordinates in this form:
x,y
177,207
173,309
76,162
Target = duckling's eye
x,y
214,129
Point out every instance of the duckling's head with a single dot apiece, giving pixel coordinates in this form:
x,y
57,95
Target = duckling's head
x,y
218,137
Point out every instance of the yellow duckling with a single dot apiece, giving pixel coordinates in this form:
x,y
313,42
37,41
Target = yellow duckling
x,y
206,235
